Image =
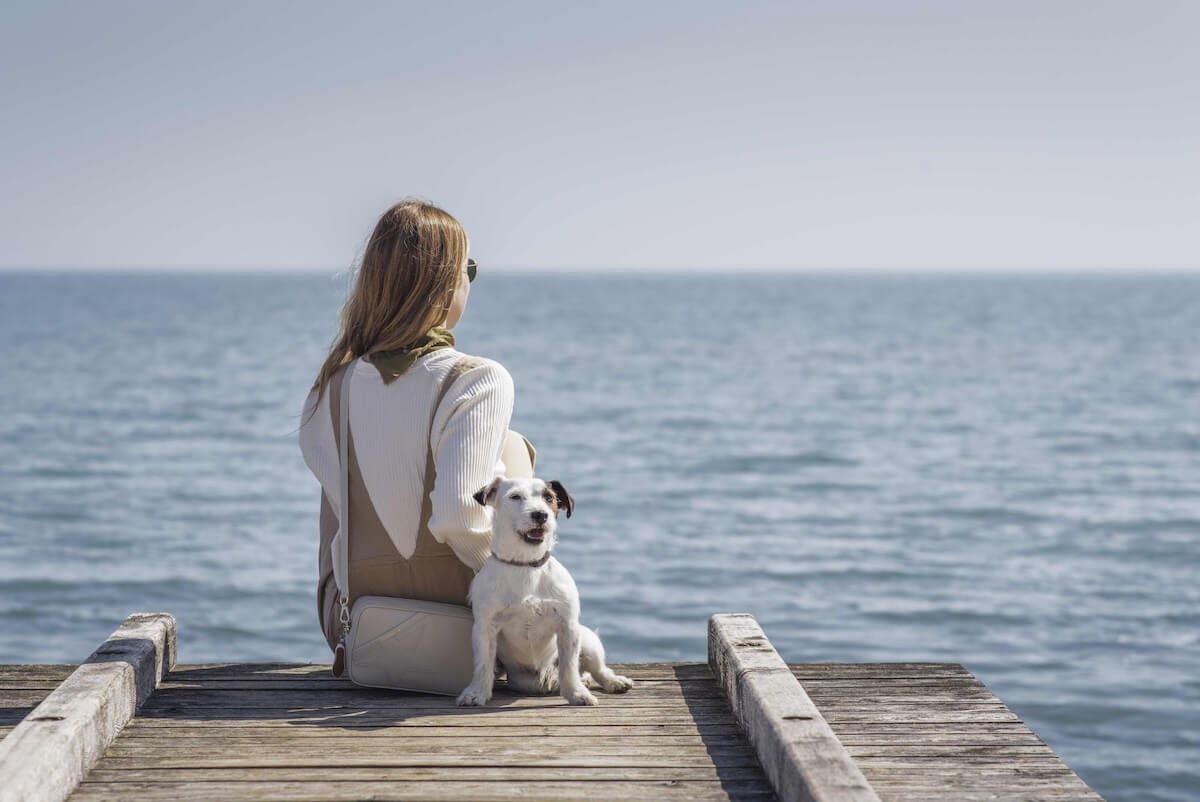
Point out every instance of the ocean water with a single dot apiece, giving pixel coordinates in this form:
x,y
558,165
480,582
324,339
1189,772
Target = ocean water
x,y
998,470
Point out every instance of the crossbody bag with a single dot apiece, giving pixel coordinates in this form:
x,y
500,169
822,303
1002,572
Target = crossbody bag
x,y
387,641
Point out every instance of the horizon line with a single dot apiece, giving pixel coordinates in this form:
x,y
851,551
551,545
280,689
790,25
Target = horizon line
x,y
621,270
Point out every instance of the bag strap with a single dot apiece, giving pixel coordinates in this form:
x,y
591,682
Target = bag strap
x,y
344,498
460,366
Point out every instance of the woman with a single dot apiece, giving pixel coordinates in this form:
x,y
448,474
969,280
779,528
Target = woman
x,y
414,464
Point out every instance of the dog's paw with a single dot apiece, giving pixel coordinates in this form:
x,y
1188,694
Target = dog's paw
x,y
472,697
617,684
580,697
588,680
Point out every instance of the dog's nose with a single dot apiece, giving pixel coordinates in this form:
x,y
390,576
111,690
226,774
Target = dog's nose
x,y
538,516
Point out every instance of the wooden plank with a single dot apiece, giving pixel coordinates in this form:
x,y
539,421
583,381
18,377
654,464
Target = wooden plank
x,y
963,752
661,671
35,684
1016,788
440,791
258,760
893,684
382,700
17,675
882,727
902,706
29,685
499,749
799,752
646,688
420,706
821,682
24,697
1017,738
912,696
882,691
922,794
917,714
818,670
942,776
46,755
919,766
690,689
360,715
160,729
356,718
743,776
614,744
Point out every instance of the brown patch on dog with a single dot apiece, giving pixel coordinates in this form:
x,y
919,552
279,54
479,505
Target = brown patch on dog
x,y
487,494
562,499
550,499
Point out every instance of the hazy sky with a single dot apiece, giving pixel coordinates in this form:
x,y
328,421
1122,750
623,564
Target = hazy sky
x,y
816,135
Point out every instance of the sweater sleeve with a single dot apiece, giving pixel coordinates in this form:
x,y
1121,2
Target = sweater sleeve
x,y
467,439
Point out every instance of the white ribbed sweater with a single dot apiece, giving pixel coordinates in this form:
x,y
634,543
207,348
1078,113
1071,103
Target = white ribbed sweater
x,y
388,425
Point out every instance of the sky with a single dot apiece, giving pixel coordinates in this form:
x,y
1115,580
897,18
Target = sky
x,y
844,135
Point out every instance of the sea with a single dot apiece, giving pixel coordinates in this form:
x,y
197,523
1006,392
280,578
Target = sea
x,y
1001,470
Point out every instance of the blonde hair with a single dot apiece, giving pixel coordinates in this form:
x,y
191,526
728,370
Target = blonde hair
x,y
405,283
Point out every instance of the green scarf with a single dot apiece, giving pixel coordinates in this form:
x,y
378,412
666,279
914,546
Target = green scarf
x,y
393,364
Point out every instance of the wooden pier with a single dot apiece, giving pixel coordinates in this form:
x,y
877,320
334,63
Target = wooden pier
x,y
744,726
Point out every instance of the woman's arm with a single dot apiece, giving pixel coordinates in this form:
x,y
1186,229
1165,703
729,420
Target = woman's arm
x,y
517,455
467,439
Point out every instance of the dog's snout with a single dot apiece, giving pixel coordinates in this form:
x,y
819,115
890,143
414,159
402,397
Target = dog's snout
x,y
538,516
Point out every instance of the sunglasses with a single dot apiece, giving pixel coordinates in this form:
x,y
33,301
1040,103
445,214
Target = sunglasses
x,y
472,269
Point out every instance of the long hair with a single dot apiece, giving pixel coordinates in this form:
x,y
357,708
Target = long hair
x,y
404,286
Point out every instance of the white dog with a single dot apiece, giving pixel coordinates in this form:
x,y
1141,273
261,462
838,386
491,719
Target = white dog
x,y
526,605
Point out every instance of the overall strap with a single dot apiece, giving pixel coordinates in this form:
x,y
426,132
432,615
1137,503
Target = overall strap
x,y
423,534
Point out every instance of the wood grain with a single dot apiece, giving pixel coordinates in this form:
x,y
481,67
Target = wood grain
x,y
432,791
933,731
292,731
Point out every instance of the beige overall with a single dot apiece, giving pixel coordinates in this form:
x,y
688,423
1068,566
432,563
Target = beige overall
x,y
375,567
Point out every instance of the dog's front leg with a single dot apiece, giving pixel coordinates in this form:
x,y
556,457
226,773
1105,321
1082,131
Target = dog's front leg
x,y
483,645
569,682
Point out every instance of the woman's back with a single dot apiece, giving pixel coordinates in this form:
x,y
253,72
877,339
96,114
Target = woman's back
x,y
416,531
391,435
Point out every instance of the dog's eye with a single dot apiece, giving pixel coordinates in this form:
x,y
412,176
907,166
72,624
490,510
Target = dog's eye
x,y
549,498
515,496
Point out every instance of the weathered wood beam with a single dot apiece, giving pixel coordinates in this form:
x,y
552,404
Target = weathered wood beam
x,y
800,754
44,758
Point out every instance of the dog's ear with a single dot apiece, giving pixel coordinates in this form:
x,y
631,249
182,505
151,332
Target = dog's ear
x,y
565,502
487,495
